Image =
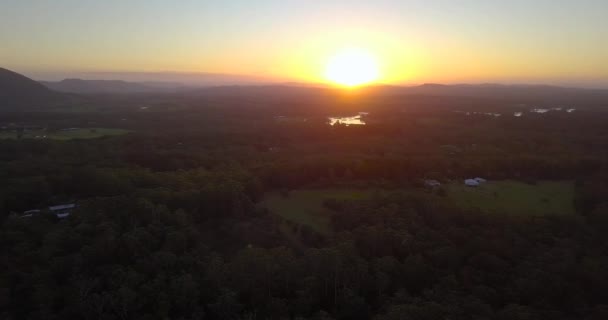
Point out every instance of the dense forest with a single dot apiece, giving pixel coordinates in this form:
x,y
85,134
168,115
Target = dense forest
x,y
172,220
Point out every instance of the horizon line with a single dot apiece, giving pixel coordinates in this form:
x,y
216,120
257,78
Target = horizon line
x,y
265,79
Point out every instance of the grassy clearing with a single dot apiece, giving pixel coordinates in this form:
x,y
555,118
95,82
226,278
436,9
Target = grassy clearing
x,y
78,133
306,206
75,108
428,121
512,197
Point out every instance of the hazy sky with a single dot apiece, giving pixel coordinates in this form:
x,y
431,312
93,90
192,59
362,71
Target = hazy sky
x,y
551,41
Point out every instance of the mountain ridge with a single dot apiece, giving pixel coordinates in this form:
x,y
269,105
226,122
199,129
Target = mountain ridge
x,y
81,86
18,91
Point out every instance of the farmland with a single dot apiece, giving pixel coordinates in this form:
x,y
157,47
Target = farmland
x,y
305,206
513,197
64,134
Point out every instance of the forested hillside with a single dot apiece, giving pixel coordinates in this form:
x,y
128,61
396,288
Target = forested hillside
x,y
219,208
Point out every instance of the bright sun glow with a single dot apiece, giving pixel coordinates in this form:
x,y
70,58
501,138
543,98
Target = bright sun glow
x,y
352,67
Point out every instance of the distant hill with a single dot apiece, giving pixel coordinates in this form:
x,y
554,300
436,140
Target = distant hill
x,y
499,90
81,86
507,93
133,81
427,95
466,90
18,91
259,89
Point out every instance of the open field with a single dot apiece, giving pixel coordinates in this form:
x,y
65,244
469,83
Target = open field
x,y
306,206
512,197
75,133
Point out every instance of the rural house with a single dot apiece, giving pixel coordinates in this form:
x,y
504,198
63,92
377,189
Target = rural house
x,y
62,211
475,182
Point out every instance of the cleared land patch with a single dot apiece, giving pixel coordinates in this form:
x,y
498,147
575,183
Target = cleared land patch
x,y
306,206
64,134
513,197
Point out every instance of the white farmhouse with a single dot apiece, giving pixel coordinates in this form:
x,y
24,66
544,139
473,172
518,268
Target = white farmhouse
x,y
62,211
471,183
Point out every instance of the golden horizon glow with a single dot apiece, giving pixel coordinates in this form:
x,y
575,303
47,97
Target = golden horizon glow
x,y
411,42
352,67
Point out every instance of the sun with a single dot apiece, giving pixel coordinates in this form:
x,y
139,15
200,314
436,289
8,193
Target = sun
x,y
352,67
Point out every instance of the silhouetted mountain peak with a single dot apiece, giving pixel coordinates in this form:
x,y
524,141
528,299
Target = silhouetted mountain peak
x,y
11,81
17,90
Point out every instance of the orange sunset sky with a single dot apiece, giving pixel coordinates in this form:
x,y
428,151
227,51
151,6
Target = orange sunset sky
x,y
410,41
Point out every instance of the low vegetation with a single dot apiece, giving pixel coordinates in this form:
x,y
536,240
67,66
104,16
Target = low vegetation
x,y
307,206
513,197
63,134
216,210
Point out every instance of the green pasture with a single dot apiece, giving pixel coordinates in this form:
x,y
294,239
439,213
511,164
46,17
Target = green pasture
x,y
513,197
306,206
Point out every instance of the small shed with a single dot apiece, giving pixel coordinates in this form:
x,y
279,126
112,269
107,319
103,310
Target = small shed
x,y
471,183
432,183
29,213
62,211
